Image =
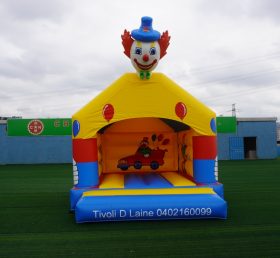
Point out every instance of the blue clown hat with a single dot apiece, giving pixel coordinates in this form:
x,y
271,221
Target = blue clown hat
x,y
146,33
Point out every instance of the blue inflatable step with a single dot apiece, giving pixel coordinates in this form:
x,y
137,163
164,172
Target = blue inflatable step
x,y
150,204
149,180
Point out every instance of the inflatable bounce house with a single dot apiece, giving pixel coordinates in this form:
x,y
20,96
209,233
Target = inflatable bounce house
x,y
145,149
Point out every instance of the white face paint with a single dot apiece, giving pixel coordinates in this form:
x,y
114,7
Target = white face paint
x,y
145,56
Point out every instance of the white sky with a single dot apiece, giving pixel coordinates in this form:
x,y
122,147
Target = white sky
x,y
56,55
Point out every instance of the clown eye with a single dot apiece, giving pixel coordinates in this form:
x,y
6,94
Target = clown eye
x,y
138,51
153,51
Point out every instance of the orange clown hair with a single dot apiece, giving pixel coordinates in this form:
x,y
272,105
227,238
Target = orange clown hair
x,y
164,43
127,42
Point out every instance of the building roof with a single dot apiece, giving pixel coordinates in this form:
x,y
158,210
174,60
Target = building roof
x,y
4,119
256,119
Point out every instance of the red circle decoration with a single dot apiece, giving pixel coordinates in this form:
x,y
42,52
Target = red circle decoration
x,y
108,112
181,110
35,127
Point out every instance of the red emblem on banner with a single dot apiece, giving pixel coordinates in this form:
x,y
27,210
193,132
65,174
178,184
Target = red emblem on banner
x,y
35,127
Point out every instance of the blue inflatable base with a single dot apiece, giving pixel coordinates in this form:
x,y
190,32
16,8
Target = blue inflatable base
x,y
75,195
150,207
217,187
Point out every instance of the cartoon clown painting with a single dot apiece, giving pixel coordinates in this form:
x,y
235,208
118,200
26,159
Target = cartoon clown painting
x,y
144,148
145,47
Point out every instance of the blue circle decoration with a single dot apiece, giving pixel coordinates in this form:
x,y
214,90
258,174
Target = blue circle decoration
x,y
213,125
76,128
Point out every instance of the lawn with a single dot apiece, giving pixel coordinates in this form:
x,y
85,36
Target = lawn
x,y
35,221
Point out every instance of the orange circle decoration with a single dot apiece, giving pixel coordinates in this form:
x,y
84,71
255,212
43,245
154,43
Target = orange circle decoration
x,y
108,112
35,127
181,110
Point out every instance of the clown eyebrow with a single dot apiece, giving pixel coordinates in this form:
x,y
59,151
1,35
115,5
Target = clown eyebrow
x,y
138,44
153,44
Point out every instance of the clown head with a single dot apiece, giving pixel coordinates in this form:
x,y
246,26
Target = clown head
x,y
144,56
145,47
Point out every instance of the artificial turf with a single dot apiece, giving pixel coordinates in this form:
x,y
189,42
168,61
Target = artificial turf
x,y
35,221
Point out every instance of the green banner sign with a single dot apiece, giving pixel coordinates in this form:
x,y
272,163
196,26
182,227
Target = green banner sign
x,y
226,124
39,127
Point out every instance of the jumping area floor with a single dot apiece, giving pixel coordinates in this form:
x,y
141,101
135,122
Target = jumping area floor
x,y
147,180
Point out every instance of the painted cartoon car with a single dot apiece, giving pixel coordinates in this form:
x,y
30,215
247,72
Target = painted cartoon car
x,y
154,159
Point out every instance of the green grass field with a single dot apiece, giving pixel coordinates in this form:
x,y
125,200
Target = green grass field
x,y
35,221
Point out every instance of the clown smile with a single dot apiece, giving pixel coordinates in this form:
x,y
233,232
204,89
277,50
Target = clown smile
x,y
145,67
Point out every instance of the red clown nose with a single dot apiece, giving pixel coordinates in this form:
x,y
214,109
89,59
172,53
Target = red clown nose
x,y
145,58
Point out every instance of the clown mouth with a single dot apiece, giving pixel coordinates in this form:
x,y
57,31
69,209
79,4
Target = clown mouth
x,y
145,67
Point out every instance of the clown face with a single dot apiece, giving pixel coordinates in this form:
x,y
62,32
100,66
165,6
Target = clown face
x,y
145,56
